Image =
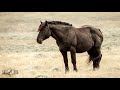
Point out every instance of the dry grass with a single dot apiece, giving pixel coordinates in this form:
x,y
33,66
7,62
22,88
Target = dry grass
x,y
19,49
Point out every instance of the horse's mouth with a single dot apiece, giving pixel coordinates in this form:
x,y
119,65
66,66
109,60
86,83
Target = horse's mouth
x,y
40,42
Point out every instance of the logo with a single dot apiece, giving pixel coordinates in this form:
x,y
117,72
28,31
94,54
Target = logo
x,y
10,71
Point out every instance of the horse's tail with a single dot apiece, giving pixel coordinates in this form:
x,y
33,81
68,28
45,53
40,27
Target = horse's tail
x,y
101,34
96,60
99,30
93,59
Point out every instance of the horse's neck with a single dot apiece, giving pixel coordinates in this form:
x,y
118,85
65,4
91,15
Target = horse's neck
x,y
57,33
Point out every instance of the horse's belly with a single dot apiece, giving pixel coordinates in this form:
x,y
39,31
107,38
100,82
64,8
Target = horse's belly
x,y
80,50
83,48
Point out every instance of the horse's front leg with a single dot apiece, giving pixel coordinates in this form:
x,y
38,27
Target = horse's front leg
x,y
64,53
73,57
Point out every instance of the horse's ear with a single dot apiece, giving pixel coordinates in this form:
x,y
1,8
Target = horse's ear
x,y
46,23
40,21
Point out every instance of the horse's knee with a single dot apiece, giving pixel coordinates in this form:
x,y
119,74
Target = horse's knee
x,y
72,49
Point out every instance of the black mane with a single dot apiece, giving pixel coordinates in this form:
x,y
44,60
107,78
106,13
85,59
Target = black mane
x,y
59,22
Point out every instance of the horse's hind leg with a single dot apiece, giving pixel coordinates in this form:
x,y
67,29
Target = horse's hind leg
x,y
95,56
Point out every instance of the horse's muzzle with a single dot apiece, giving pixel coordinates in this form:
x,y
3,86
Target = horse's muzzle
x,y
39,41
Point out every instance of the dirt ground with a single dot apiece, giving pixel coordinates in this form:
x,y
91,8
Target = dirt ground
x,y
20,51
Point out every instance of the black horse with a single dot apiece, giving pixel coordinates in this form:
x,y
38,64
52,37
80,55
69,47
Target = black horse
x,y
76,40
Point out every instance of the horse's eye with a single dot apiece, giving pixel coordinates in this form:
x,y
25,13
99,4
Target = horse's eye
x,y
41,30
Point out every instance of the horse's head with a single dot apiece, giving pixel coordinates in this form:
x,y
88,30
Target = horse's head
x,y
44,32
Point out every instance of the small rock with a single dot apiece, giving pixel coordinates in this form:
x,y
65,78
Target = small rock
x,y
108,48
56,69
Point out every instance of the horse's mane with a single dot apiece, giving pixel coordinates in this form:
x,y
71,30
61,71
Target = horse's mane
x,y
59,22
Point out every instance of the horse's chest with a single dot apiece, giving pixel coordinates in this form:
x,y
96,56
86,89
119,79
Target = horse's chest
x,y
64,46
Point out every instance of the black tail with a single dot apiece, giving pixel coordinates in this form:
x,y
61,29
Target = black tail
x,y
95,60
95,56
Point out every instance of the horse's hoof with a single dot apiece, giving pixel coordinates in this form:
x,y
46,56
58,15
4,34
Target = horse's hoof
x,y
75,70
94,69
66,71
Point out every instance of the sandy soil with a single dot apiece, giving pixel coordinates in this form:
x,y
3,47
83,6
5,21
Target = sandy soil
x,y
20,51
